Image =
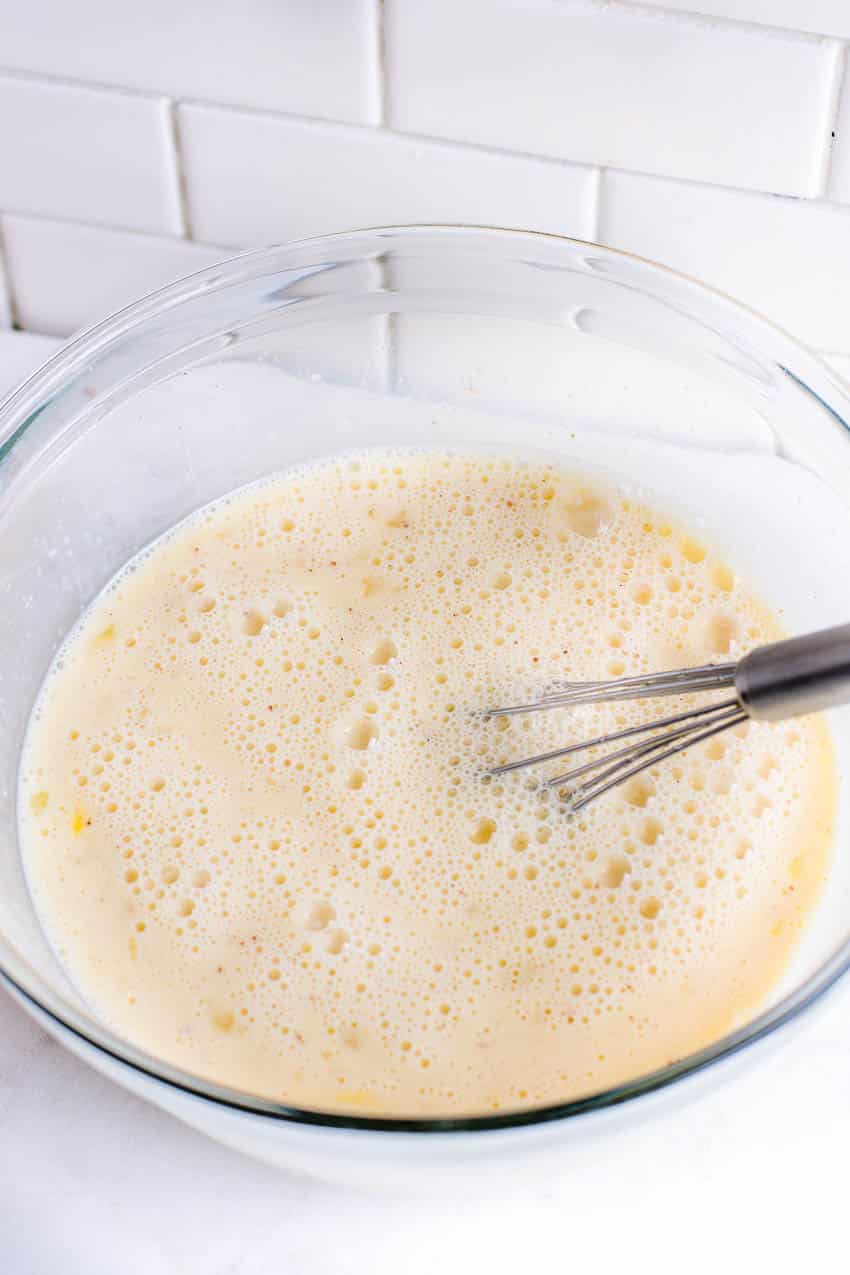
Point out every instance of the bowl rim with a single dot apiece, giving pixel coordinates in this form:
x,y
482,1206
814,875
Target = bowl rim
x,y
23,405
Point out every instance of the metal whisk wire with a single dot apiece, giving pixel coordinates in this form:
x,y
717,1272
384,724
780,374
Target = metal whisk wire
x,y
683,681
781,680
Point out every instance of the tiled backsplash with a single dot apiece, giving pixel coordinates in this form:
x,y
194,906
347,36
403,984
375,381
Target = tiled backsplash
x,y
140,143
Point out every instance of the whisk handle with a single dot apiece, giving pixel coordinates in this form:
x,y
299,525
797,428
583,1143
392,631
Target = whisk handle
x,y
800,675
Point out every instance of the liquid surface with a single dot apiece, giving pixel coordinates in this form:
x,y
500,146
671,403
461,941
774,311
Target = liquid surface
x,y
257,833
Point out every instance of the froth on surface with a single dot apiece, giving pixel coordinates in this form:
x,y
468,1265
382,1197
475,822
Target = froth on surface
x,y
257,832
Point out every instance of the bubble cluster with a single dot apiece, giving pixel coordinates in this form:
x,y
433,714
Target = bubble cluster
x,y
257,824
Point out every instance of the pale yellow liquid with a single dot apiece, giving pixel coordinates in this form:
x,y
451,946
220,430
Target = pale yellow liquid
x,y
257,831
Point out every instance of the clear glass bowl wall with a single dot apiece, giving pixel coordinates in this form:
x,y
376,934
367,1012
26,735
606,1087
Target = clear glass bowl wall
x,y
407,336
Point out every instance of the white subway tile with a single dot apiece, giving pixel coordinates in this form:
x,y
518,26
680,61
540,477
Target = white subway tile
x,y
786,258
89,155
280,55
738,105
253,179
65,276
827,17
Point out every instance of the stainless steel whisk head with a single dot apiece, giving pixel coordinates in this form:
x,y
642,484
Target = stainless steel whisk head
x,y
784,679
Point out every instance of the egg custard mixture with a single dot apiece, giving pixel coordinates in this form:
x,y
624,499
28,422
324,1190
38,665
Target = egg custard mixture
x,y
258,833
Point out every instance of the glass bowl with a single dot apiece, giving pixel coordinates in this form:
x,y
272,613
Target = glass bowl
x,y
440,335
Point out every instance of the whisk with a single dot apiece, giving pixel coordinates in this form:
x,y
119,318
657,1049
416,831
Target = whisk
x,y
783,679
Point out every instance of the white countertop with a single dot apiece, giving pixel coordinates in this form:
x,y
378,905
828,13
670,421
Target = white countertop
x,y
95,1182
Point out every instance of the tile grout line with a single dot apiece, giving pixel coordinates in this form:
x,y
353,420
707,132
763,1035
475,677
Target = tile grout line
x,y
54,80
159,236
657,12
838,78
180,193
383,83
